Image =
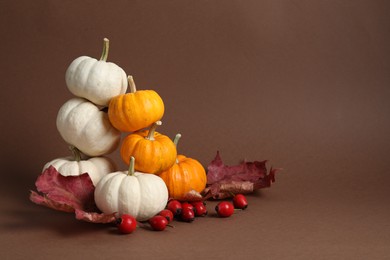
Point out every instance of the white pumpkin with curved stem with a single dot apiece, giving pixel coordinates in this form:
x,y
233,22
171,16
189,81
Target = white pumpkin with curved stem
x,y
96,167
96,80
141,195
83,125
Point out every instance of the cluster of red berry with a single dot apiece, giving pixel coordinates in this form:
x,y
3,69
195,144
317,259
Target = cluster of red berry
x,y
183,211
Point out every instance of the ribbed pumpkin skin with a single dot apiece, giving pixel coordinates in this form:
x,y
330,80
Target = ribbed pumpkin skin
x,y
96,167
140,195
186,175
97,81
134,111
83,125
152,156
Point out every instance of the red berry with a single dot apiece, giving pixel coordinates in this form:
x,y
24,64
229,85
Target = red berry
x,y
158,222
175,207
224,209
187,215
187,205
200,208
240,202
167,214
126,224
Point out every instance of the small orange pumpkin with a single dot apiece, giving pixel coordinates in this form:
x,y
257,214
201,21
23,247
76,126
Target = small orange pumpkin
x,y
135,110
155,152
185,175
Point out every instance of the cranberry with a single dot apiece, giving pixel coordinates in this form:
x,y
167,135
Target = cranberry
x,y
126,224
167,214
200,208
158,222
175,207
224,209
240,202
187,215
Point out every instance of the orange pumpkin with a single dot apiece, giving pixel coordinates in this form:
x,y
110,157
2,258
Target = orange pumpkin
x,y
155,152
135,110
185,175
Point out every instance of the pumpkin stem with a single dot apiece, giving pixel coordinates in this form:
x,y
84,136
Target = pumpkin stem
x,y
131,166
76,153
176,141
152,130
132,87
105,50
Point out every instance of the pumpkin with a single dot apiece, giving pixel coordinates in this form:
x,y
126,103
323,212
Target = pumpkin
x,y
96,80
155,152
83,125
185,175
130,192
75,165
136,110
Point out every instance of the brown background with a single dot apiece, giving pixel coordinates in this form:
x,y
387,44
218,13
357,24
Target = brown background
x,y
304,84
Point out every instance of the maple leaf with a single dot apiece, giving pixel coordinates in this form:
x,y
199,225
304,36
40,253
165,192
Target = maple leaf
x,y
68,194
94,217
192,195
223,181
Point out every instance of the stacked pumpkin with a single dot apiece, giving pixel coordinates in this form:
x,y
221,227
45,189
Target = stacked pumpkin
x,y
82,122
92,123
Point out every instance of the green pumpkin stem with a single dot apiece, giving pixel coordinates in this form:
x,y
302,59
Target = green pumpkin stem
x,y
176,141
131,82
76,153
152,130
106,46
131,166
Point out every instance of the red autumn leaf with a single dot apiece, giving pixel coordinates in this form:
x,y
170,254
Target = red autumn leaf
x,y
74,191
69,194
45,201
94,217
246,177
192,195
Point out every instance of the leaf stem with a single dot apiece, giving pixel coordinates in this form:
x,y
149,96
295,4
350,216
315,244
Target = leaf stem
x,y
132,87
152,130
106,46
131,166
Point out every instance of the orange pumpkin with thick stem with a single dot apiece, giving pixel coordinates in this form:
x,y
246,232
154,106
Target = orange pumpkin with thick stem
x,y
135,110
185,175
155,152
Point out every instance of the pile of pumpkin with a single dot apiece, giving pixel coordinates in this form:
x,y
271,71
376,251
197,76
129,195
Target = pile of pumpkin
x,y
92,123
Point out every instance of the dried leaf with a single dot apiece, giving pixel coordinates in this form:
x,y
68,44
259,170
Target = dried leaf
x,y
44,201
73,191
192,195
246,177
94,217
68,194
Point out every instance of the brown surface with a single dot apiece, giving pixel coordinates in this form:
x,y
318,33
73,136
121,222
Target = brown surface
x,y
304,84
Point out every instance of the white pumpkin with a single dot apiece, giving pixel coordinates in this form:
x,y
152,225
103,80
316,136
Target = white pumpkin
x,y
96,167
96,80
83,125
141,195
